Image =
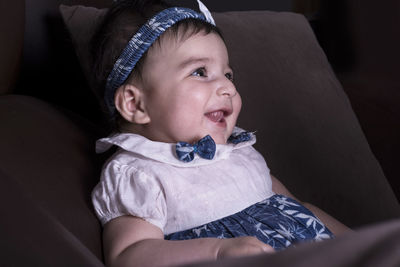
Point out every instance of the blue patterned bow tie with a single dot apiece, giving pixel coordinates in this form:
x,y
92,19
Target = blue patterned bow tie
x,y
205,148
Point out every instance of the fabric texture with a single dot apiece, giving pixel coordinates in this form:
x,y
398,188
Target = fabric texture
x,y
145,179
278,221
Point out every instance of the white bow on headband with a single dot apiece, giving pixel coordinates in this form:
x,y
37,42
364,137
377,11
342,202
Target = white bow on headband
x,y
206,12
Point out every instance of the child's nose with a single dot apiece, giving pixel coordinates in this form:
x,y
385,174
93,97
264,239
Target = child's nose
x,y
226,88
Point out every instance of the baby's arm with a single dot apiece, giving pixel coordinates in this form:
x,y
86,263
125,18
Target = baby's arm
x,y
131,241
334,225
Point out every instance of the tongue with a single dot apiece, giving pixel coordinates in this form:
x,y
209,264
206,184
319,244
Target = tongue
x,y
215,116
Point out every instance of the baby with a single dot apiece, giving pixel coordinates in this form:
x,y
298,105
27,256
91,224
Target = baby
x,y
185,183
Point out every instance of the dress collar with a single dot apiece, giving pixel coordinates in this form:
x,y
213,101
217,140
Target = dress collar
x,y
165,152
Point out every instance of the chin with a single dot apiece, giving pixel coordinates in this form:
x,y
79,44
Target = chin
x,y
219,140
219,137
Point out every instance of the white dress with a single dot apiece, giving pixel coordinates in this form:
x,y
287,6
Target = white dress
x,y
145,179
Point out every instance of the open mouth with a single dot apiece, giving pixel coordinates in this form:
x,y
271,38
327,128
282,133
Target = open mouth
x,y
218,116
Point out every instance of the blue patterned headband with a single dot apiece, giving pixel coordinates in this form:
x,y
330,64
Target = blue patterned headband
x,y
141,42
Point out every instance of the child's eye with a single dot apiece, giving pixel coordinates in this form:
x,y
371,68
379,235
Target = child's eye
x,y
200,72
229,75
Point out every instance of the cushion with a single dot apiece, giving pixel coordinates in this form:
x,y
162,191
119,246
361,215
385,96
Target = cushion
x,y
31,236
81,23
48,156
306,128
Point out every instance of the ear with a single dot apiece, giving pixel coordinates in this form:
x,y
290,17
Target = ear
x,y
129,103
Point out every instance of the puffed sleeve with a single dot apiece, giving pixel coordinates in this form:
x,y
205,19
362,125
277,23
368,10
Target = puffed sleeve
x,y
124,190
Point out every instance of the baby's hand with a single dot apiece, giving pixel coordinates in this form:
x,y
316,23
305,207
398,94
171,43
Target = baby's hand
x,y
242,246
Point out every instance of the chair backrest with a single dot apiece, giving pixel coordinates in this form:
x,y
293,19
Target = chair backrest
x,y
306,128
47,159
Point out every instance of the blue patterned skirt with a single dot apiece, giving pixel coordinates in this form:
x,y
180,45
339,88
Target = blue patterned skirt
x,y
278,221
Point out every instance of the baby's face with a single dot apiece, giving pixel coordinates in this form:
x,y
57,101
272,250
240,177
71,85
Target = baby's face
x,y
188,90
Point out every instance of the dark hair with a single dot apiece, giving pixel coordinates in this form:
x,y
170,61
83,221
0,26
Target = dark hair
x,y
121,21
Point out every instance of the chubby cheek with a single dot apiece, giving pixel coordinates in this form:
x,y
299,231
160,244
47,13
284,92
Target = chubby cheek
x,y
237,103
184,119
237,106
192,115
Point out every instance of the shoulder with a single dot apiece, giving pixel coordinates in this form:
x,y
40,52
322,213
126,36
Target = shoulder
x,y
128,189
127,169
121,163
